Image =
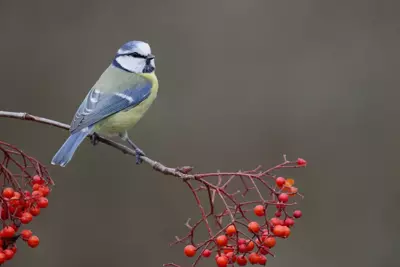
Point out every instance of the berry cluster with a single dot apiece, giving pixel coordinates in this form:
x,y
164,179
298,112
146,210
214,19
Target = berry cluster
x,y
248,226
23,195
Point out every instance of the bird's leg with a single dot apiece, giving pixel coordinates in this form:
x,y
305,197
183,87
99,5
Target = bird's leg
x,y
138,151
94,139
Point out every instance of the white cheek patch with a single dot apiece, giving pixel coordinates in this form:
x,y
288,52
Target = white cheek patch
x,y
132,64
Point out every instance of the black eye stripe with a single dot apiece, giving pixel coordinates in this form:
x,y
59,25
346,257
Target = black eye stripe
x,y
137,55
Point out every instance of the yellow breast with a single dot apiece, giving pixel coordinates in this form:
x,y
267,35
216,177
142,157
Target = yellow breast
x,y
124,120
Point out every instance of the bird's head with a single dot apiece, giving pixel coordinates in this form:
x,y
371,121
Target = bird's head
x,y
136,57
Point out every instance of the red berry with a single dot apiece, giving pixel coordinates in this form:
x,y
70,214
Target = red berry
x,y
3,257
222,261
278,213
286,232
263,237
42,202
27,204
14,249
259,210
228,249
9,254
278,230
297,214
250,245
11,209
281,231
35,187
8,232
33,241
262,260
37,180
231,257
301,162
222,240
283,197
280,181
230,230
45,190
264,232
8,192
276,221
206,253
241,241
37,194
14,202
25,234
263,250
4,214
253,227
14,226
35,211
253,258
289,222
190,250
26,217
242,248
270,242
241,260
17,195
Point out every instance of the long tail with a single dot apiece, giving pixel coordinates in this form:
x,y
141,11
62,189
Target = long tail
x,y
65,153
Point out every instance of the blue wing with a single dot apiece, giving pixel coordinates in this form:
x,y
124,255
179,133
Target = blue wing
x,y
99,105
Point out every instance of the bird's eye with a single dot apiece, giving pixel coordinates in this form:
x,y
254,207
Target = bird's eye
x,y
137,55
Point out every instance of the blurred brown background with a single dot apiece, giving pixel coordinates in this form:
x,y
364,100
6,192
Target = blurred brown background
x,y
242,82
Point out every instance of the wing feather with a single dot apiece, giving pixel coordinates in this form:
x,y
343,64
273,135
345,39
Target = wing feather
x,y
99,105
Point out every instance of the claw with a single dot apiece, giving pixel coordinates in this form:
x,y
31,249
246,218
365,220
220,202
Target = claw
x,y
139,154
94,139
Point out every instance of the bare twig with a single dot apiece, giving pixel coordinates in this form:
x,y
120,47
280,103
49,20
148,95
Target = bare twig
x,y
177,172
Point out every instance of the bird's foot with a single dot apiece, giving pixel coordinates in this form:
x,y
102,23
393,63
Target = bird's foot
x,y
94,139
139,154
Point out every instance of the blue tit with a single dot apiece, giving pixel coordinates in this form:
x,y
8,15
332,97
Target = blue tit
x,y
116,102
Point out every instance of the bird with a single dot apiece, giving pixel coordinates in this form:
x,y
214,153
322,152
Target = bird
x,y
116,102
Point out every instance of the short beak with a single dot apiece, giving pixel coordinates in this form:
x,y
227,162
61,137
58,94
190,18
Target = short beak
x,y
150,56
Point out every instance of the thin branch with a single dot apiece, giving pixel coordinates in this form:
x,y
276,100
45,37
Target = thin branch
x,y
177,172
236,206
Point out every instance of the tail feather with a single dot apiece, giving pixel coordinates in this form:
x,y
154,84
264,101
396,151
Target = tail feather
x,y
65,153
